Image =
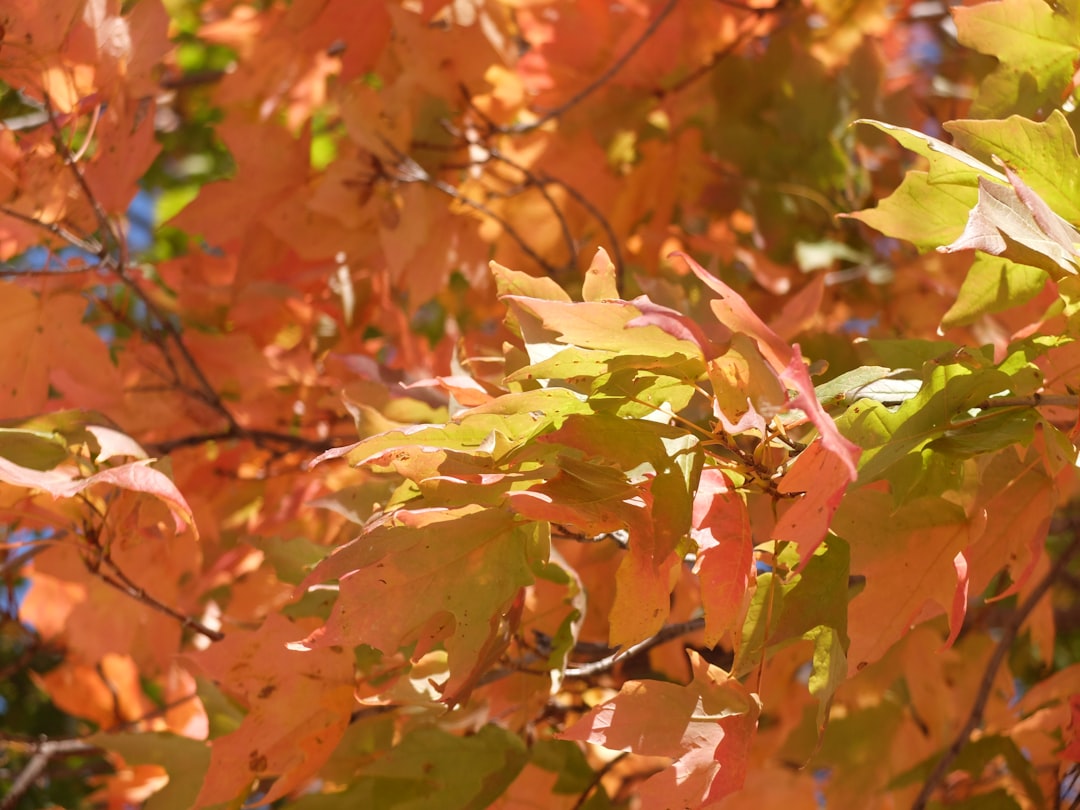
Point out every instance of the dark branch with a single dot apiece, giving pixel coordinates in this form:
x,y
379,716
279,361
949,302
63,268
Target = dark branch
x,y
718,56
140,594
666,633
42,752
542,180
533,181
409,171
93,247
192,78
609,232
1001,651
118,263
599,81
598,778
117,579
260,438
620,537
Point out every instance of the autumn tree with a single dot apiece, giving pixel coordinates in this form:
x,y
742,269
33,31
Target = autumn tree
x,y
539,403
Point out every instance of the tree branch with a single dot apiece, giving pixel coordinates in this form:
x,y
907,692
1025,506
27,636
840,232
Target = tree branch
x,y
598,778
118,263
598,82
123,583
92,247
718,56
609,232
43,751
532,181
112,255
409,171
666,633
1001,651
260,438
620,537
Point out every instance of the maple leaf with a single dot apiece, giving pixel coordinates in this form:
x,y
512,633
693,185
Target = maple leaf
x,y
786,361
1042,153
706,727
924,541
57,350
470,562
298,706
725,554
532,474
1015,223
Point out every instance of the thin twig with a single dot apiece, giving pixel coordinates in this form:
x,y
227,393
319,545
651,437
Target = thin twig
x,y
533,181
140,594
665,633
409,171
119,264
28,272
91,246
45,749
543,179
70,160
192,78
1036,400
123,583
1001,651
43,752
620,536
260,438
598,82
721,54
609,232
600,774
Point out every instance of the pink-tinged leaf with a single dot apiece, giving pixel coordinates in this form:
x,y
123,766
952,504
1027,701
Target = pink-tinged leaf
x,y
585,516
1054,226
823,477
707,726
747,392
725,559
1002,224
800,310
733,312
113,443
960,598
591,498
797,377
137,476
600,279
45,480
674,323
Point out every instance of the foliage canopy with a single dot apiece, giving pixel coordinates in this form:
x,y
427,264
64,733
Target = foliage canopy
x,y
537,403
